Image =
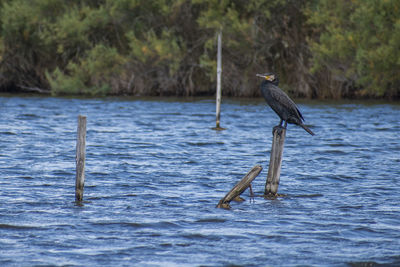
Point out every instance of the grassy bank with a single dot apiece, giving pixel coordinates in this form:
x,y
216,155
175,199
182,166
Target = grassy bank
x,y
321,49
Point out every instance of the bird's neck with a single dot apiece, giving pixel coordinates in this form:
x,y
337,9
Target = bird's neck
x,y
275,82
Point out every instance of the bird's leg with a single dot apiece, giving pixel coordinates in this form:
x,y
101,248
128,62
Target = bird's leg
x,y
279,127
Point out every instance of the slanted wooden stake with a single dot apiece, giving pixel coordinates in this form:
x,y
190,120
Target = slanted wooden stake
x,y
240,187
275,163
80,158
219,71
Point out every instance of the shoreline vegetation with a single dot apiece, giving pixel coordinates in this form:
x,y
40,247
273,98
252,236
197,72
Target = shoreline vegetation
x,y
321,49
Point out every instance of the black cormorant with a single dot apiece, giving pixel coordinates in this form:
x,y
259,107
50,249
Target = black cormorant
x,y
280,102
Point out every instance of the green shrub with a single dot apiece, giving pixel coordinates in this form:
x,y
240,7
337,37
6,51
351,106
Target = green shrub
x,y
95,74
359,44
320,48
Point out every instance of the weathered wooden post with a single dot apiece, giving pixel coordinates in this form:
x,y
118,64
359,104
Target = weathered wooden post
x,y
219,71
80,158
275,163
240,187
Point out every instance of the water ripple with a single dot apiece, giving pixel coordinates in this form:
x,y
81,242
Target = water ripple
x,y
155,171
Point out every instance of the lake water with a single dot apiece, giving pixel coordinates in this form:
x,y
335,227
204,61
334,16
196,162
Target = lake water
x,y
155,171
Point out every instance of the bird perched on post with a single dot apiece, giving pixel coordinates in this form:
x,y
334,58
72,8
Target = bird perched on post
x,y
280,102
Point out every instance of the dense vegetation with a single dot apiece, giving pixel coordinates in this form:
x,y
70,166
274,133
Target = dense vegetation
x,y
320,48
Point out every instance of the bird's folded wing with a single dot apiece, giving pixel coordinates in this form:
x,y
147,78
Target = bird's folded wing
x,y
284,100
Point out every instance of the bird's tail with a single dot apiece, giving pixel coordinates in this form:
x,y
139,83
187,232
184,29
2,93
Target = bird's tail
x,y
307,129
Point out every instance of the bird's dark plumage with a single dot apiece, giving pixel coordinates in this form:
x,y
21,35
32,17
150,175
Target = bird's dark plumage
x,y
280,102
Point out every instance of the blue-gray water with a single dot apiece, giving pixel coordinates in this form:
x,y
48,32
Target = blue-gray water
x,y
155,172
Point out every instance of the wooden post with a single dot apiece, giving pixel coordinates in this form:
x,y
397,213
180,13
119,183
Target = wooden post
x,y
80,158
219,71
275,163
240,187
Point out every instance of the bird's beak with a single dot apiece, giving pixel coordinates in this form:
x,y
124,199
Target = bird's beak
x,y
265,76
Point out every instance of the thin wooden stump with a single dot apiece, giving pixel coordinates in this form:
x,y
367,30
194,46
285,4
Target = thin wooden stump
x,y
240,187
219,72
80,158
275,163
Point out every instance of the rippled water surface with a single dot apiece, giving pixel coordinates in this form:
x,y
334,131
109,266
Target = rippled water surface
x,y
155,172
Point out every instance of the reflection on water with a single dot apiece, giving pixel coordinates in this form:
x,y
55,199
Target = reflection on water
x,y
155,171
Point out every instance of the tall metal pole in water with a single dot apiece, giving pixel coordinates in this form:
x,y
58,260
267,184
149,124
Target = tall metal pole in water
x,y
219,71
